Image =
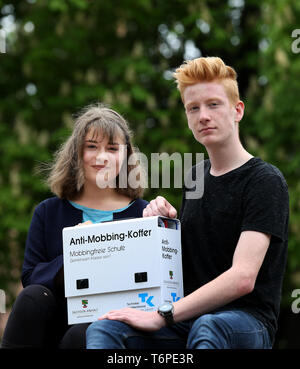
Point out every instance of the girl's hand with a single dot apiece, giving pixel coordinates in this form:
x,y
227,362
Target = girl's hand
x,y
84,223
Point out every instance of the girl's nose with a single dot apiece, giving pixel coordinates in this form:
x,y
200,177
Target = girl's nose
x,y
101,158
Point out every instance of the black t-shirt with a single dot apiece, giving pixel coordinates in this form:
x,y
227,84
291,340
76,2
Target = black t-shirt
x,y
251,197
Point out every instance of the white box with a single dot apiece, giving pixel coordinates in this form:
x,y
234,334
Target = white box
x,y
127,263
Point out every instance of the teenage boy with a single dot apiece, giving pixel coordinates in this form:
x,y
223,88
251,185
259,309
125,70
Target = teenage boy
x,y
234,238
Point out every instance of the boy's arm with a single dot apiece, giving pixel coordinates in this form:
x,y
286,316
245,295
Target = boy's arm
x,y
235,282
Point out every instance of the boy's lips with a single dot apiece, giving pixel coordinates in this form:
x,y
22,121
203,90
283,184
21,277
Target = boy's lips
x,y
207,129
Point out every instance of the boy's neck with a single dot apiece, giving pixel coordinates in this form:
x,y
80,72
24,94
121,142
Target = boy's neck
x,y
224,160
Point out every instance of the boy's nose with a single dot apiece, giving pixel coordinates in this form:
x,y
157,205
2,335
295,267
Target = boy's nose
x,y
204,116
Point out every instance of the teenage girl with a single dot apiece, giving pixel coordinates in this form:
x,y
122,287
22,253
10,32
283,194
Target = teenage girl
x,y
89,177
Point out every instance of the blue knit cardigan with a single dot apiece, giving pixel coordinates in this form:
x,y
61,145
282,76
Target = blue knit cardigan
x,y
43,257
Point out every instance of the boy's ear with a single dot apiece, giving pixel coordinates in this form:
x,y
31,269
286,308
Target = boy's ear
x,y
239,111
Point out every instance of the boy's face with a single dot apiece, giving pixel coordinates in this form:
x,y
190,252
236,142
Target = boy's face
x,y
211,116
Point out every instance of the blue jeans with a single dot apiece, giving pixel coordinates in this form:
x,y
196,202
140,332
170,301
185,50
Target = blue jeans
x,y
234,329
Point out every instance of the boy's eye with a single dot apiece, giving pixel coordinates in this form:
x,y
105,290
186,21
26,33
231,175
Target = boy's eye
x,y
193,108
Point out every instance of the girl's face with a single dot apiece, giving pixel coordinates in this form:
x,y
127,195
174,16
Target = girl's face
x,y
102,159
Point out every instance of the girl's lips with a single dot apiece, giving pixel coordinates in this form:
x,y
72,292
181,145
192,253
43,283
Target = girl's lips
x,y
98,167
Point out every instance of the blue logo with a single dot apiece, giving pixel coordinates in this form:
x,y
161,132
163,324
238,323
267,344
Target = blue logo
x,y
143,296
175,297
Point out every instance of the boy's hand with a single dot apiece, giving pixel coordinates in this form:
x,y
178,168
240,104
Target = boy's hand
x,y
138,319
160,206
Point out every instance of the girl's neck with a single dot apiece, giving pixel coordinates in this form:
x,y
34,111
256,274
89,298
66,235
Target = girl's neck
x,y
102,198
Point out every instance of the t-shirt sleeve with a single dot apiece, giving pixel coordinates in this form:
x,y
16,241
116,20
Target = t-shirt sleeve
x,y
266,206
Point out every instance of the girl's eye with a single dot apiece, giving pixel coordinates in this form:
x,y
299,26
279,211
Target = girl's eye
x,y
91,146
113,148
